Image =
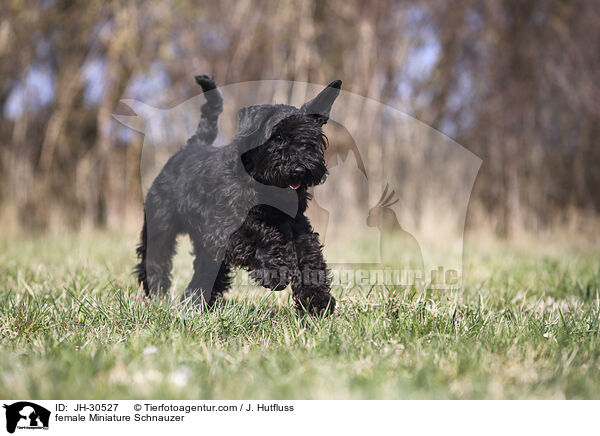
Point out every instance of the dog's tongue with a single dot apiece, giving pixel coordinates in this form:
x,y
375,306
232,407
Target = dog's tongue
x,y
295,185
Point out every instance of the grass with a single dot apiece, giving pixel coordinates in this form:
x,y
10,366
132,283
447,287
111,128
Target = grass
x,y
73,325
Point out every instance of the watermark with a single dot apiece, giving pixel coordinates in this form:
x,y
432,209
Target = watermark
x,y
347,276
391,211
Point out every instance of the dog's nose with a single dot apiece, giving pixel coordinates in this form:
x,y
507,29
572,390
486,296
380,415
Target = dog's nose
x,y
298,170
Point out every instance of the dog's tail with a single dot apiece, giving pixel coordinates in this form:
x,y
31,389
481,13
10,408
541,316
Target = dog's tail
x,y
207,128
140,268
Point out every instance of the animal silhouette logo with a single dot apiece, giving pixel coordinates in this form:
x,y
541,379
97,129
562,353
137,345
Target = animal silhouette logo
x,y
398,247
419,227
337,225
26,415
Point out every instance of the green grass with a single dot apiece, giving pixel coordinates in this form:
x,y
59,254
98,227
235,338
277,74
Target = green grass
x,y
73,325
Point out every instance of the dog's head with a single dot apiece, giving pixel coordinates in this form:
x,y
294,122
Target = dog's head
x,y
283,145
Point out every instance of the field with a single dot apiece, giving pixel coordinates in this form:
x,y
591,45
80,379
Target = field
x,y
74,325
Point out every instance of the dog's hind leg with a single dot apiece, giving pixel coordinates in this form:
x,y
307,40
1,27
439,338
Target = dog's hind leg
x,y
142,248
156,252
210,280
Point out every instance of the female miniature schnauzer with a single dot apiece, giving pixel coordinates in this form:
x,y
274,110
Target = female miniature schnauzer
x,y
243,204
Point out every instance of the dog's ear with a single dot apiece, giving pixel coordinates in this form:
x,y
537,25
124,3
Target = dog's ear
x,y
320,106
250,120
256,123
252,129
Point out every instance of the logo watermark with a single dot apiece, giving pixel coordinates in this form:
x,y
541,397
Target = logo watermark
x,y
392,209
24,415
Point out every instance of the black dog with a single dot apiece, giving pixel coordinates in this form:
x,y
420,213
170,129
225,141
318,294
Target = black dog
x,y
243,204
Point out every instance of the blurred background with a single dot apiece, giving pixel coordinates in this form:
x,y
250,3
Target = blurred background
x,y
517,83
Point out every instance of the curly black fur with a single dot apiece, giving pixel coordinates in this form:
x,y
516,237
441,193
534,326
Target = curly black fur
x,y
243,204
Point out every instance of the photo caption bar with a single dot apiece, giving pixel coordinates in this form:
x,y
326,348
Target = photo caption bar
x,y
72,417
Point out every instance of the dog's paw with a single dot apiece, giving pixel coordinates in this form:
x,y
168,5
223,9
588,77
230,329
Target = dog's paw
x,y
321,303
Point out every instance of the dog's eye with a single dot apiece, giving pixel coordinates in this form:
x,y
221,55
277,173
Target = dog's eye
x,y
278,138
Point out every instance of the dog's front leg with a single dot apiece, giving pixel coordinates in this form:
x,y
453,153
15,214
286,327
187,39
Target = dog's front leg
x,y
265,251
311,284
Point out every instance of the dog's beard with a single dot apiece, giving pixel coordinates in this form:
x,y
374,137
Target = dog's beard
x,y
279,171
